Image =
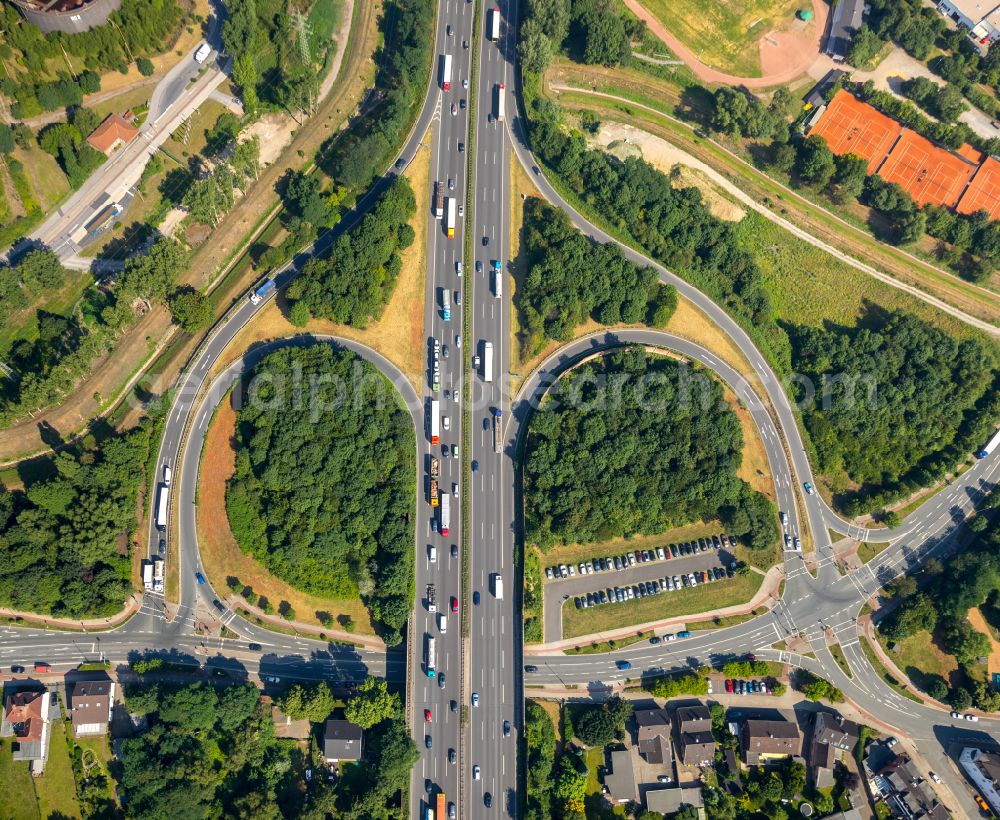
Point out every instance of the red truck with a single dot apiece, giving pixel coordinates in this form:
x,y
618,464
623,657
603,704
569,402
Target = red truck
x,y
42,666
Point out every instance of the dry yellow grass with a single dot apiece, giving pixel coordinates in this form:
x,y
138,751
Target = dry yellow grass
x,y
398,334
754,469
221,555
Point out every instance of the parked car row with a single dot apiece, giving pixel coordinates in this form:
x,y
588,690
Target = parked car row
x,y
746,687
619,563
643,589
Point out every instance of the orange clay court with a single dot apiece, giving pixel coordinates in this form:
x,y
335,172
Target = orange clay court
x,y
983,193
929,174
850,126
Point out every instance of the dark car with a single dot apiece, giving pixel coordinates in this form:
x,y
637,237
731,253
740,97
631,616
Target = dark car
x,y
486,241
17,670
461,148
654,640
400,164
506,728
163,547
488,799
454,550
428,741
254,647
577,602
475,598
529,668
475,466
218,605
623,665
452,757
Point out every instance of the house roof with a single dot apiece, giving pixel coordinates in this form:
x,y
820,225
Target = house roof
x,y
771,737
845,20
974,10
654,735
835,731
621,780
91,701
668,801
694,719
114,128
23,710
342,740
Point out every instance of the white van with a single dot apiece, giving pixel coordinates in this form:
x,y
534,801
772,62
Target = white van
x,y
442,622
432,553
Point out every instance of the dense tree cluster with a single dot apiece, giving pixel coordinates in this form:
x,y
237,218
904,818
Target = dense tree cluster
x,y
635,444
895,405
323,492
354,282
139,28
907,22
670,686
64,538
540,737
355,158
67,142
817,688
739,113
941,101
940,604
672,225
571,278
213,753
592,31
597,725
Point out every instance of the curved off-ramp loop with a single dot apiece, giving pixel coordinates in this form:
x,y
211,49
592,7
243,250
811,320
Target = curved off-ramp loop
x,y
537,385
348,660
821,518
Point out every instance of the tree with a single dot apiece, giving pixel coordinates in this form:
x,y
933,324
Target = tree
x,y
782,157
892,519
41,270
936,686
815,163
298,314
738,113
246,157
849,177
303,197
191,309
595,727
145,66
314,703
864,46
534,47
963,640
913,614
553,16
372,704
823,803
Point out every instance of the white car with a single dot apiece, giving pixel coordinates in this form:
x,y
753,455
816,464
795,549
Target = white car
x,y
934,777
446,422
972,718
458,342
661,554
475,699
709,682
465,83
669,636
461,212
476,772
548,573
572,571
454,490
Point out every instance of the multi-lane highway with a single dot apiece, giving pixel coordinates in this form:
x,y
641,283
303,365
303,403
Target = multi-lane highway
x,y
487,662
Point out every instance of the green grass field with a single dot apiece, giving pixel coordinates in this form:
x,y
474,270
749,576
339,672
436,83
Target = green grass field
x,y
724,34
16,788
867,550
884,673
56,789
919,656
324,17
688,601
24,323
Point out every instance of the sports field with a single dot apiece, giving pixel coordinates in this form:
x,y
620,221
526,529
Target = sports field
x,y
725,34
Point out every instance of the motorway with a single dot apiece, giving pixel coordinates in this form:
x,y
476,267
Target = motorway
x,y
817,608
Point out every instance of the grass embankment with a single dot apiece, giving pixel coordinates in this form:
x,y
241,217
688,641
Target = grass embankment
x,y
607,646
688,601
884,673
725,36
840,658
818,219
867,551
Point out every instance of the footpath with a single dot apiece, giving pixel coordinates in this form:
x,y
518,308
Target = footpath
x,y
28,619
279,624
766,595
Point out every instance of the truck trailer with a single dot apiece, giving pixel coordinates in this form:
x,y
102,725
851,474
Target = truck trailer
x,y
431,669
450,223
494,25
488,362
446,304
501,105
261,292
161,507
991,445
446,72
497,443
158,574
445,514
147,575
438,200
435,427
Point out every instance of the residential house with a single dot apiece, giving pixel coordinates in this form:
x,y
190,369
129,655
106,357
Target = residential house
x,y
983,769
342,741
668,801
763,741
112,134
907,793
621,779
653,731
27,717
832,737
695,741
91,705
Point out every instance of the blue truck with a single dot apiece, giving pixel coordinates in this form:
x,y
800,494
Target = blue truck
x,y
261,292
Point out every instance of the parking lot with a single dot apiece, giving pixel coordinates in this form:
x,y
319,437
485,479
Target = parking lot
x,y
637,577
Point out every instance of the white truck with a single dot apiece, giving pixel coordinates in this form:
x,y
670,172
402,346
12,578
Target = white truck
x,y
446,72
147,575
435,421
431,671
158,574
494,24
498,586
501,105
202,53
445,514
488,362
161,508
991,445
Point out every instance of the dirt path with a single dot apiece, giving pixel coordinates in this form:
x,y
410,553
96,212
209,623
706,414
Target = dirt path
x,y
340,37
787,56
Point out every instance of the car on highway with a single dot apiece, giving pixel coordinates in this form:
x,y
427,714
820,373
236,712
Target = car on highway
x,y
427,715
458,342
465,83
199,578
475,699
623,665
488,800
461,148
451,184
454,109
475,361
428,741
452,757
461,103
451,811
476,772
453,705
454,550
454,604
441,681
17,669
809,488
530,669
272,679
934,777
444,351
486,241
446,422
479,267
461,212
506,728
163,546
254,647
450,30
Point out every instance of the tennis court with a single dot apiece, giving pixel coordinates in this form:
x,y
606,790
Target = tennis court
x,y
850,126
927,173
983,193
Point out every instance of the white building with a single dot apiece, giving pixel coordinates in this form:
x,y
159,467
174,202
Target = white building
x,y
980,17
